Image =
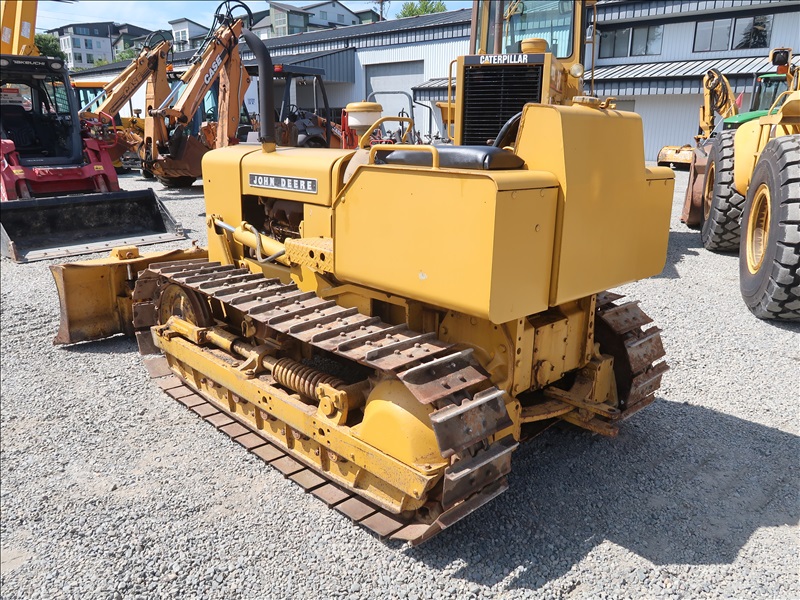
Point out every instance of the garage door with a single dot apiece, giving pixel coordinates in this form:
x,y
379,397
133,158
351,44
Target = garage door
x,y
400,76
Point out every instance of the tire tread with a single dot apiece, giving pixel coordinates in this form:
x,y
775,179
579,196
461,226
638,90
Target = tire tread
x,y
722,230
781,298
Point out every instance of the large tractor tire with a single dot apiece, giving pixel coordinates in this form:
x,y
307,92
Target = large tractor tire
x,y
769,257
722,205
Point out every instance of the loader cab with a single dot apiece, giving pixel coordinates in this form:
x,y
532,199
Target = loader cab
x,y
767,89
523,51
209,112
39,111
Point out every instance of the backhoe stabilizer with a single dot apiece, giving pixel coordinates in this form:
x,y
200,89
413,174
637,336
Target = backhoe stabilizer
x,y
55,227
96,296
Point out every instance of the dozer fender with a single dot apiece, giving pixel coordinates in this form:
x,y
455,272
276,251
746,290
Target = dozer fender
x,y
95,297
45,228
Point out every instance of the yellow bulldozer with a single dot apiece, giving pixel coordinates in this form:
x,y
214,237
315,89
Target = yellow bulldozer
x,y
386,324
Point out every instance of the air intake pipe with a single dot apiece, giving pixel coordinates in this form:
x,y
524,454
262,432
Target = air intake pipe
x,y
266,88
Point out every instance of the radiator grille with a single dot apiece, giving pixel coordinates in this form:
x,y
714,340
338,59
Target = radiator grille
x,y
493,94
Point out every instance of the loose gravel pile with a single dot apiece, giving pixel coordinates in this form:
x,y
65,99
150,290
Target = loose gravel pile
x,y
110,489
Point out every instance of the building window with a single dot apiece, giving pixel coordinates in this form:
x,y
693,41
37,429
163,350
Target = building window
x,y
82,30
90,59
97,32
323,14
76,42
87,44
752,32
340,18
78,57
615,43
712,35
647,40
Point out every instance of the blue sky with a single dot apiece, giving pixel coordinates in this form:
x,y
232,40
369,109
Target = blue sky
x,y
155,14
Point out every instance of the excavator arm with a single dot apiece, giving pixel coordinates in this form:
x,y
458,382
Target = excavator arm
x,y
172,155
151,61
220,54
718,99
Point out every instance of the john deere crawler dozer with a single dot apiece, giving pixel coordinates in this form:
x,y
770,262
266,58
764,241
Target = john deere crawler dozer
x,y
386,324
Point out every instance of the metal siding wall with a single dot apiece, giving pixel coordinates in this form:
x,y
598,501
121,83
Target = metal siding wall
x,y
436,56
667,120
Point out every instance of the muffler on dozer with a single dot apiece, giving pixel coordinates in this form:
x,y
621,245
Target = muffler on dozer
x,y
46,228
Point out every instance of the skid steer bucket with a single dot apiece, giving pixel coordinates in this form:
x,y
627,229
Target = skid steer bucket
x,y
46,228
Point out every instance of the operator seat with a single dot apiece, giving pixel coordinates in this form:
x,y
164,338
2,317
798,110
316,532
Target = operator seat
x,y
480,158
18,124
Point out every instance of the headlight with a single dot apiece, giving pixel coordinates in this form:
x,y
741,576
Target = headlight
x,y
3,62
576,70
56,65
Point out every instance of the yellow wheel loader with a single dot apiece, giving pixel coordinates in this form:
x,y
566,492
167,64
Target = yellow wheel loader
x,y
767,172
385,324
712,201
718,99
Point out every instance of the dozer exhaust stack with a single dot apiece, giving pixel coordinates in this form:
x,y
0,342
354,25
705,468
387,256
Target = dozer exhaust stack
x,y
46,228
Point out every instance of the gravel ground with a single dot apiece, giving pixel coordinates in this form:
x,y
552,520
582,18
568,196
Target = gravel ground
x,y
112,490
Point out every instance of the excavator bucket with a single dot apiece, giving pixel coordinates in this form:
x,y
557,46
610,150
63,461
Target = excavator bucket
x,y
96,296
55,227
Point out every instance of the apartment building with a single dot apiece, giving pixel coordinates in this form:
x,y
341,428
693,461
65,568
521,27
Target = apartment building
x,y
187,34
326,15
86,43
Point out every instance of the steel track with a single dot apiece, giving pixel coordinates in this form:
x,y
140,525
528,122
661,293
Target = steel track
x,y
434,371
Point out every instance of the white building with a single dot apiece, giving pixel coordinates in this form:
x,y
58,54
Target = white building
x,y
281,20
187,34
652,55
86,43
325,15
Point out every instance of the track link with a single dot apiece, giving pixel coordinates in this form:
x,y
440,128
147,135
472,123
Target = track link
x,y
620,330
469,409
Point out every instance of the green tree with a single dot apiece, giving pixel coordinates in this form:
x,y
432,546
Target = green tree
x,y
421,7
99,62
49,45
127,54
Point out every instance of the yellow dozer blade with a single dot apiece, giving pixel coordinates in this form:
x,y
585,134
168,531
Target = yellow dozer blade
x,y
46,228
96,296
